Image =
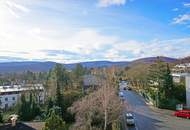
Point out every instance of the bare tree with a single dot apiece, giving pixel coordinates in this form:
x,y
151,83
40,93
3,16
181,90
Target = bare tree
x,y
99,109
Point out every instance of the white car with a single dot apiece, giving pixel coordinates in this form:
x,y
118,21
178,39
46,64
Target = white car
x,y
121,94
130,119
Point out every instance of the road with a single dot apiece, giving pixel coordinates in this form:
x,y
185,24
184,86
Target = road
x,y
150,118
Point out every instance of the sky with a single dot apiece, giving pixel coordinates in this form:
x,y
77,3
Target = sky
x,y
69,31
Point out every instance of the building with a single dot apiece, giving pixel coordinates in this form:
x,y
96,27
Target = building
x,y
178,77
187,79
90,81
181,68
10,95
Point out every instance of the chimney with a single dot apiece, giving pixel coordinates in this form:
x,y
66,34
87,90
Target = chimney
x,y
13,119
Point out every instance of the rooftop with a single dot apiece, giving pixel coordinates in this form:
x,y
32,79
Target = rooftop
x,y
18,88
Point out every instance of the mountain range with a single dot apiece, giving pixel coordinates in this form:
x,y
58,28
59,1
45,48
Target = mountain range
x,y
45,66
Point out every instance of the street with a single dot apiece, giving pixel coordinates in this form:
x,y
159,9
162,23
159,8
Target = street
x,y
151,118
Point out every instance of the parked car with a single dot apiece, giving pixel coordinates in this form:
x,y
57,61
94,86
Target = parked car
x,y
129,88
130,119
121,94
183,113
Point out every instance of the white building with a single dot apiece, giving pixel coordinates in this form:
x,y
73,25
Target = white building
x,y
178,77
188,90
10,95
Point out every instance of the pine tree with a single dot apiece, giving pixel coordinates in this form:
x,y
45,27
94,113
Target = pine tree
x,y
54,122
1,114
61,80
168,83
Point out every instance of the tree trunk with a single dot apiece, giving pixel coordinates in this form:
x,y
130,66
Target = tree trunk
x,y
105,119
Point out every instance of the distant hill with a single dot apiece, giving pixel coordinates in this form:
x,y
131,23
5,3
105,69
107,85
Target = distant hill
x,y
45,66
98,64
153,59
24,66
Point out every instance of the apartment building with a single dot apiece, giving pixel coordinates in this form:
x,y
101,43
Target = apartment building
x,y
10,95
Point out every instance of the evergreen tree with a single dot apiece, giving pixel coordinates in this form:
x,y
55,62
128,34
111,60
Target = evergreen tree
x,y
28,109
1,114
79,70
61,81
168,83
54,122
160,78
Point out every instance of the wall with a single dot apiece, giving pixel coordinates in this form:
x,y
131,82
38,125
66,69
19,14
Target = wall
x,y
188,91
10,100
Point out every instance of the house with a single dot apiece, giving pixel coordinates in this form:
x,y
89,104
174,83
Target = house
x,y
10,95
90,81
181,68
178,77
179,72
187,81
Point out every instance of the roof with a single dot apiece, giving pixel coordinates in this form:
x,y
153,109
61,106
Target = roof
x,y
180,74
90,80
18,88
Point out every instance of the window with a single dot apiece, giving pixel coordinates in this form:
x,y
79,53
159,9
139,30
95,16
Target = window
x,y
6,99
6,106
13,98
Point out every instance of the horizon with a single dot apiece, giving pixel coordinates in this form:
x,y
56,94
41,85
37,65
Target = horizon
x,y
40,61
99,30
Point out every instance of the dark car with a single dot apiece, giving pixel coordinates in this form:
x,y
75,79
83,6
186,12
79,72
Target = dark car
x,y
129,88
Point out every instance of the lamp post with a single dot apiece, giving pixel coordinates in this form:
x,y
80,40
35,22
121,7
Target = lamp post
x,y
157,97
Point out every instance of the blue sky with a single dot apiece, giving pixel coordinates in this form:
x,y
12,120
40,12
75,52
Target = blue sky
x,y
69,31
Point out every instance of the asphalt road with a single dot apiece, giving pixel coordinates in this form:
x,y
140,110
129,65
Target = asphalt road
x,y
150,118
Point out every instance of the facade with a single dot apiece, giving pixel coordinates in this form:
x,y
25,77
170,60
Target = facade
x,y
181,68
10,95
90,81
188,91
178,77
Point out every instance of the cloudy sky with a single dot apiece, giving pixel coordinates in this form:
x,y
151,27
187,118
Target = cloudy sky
x,y
87,30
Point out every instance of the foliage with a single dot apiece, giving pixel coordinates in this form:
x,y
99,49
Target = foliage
x,y
1,116
69,98
54,122
160,78
28,109
1,113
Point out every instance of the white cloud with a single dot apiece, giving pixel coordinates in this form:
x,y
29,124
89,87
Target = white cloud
x,y
106,3
135,49
19,7
15,7
17,35
181,19
175,9
187,5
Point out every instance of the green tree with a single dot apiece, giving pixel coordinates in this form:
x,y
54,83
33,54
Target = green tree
x,y
168,85
54,122
79,70
1,114
28,109
61,78
161,80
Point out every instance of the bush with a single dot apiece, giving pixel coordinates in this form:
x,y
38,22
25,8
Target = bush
x,y
54,122
1,116
69,98
168,104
